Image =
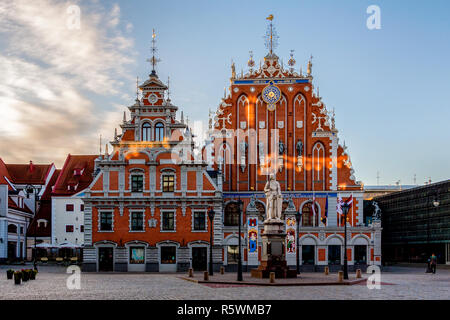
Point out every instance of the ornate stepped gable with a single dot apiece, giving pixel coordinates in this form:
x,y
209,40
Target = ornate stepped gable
x,y
244,108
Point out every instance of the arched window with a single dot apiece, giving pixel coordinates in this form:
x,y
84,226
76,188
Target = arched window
x,y
262,210
231,217
309,219
12,228
146,132
225,160
159,132
318,169
284,206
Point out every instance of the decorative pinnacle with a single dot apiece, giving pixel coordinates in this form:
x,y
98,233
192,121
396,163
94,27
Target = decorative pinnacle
x,y
309,70
271,36
137,88
251,62
292,61
168,89
100,144
153,60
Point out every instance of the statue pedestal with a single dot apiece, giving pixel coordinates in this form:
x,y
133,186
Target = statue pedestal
x,y
273,257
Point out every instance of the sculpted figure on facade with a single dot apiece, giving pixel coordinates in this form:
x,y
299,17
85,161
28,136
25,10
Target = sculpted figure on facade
x,y
274,199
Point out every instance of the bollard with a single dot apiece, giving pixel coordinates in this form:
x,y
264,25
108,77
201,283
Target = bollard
x,y
341,276
206,276
358,273
222,270
191,272
327,270
272,277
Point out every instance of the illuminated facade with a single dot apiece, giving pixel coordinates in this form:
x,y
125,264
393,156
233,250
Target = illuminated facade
x,y
273,120
146,209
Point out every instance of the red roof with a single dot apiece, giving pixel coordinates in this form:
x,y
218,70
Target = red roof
x,y
4,174
13,205
28,173
44,211
76,174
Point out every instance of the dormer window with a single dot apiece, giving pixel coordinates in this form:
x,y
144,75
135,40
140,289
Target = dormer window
x,y
72,187
159,131
146,131
78,172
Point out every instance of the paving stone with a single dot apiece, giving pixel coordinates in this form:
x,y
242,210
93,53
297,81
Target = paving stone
x,y
397,283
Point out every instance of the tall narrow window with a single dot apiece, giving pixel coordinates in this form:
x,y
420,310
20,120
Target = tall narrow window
x,y
309,219
199,221
106,221
231,214
137,183
168,183
159,132
137,221
168,223
146,131
318,160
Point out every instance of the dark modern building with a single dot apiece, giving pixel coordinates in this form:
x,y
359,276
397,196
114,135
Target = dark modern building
x,y
416,223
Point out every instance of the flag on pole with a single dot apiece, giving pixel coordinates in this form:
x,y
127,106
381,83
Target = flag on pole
x,y
340,203
324,219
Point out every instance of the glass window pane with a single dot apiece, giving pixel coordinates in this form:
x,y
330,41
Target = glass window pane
x,y
168,255
137,255
232,254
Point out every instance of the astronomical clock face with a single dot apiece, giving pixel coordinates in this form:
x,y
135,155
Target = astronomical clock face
x,y
271,95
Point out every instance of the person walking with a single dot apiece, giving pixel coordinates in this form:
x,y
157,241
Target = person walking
x,y
433,262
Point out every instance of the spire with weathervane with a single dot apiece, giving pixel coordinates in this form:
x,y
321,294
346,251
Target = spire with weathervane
x,y
271,37
153,60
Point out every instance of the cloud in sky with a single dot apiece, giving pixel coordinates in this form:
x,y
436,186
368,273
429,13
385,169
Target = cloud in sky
x,y
52,75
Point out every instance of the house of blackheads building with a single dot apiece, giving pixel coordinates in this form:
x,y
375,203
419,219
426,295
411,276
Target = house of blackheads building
x,y
147,207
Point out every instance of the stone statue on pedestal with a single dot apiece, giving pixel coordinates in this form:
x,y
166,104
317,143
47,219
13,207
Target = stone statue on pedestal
x,y
376,212
274,199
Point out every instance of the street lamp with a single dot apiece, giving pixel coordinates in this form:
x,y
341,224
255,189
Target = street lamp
x,y
298,217
345,208
241,208
211,214
435,205
30,189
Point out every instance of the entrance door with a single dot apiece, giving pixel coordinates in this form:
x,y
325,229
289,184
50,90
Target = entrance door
x,y
360,254
308,254
12,250
199,258
105,259
334,254
168,262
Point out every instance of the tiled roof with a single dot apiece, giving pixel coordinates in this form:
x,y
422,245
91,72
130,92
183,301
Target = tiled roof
x,y
13,205
4,174
84,164
44,211
27,174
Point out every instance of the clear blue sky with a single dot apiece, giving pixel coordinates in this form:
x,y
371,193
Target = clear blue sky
x,y
390,87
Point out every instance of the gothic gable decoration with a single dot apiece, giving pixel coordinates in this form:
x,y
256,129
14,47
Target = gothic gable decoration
x,y
273,120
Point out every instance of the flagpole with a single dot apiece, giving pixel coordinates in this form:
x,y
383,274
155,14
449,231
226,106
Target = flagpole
x,y
353,212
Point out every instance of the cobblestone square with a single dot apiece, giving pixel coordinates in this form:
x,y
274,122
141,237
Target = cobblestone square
x,y
397,283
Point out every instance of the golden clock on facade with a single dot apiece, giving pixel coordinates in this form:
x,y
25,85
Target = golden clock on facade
x,y
271,95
